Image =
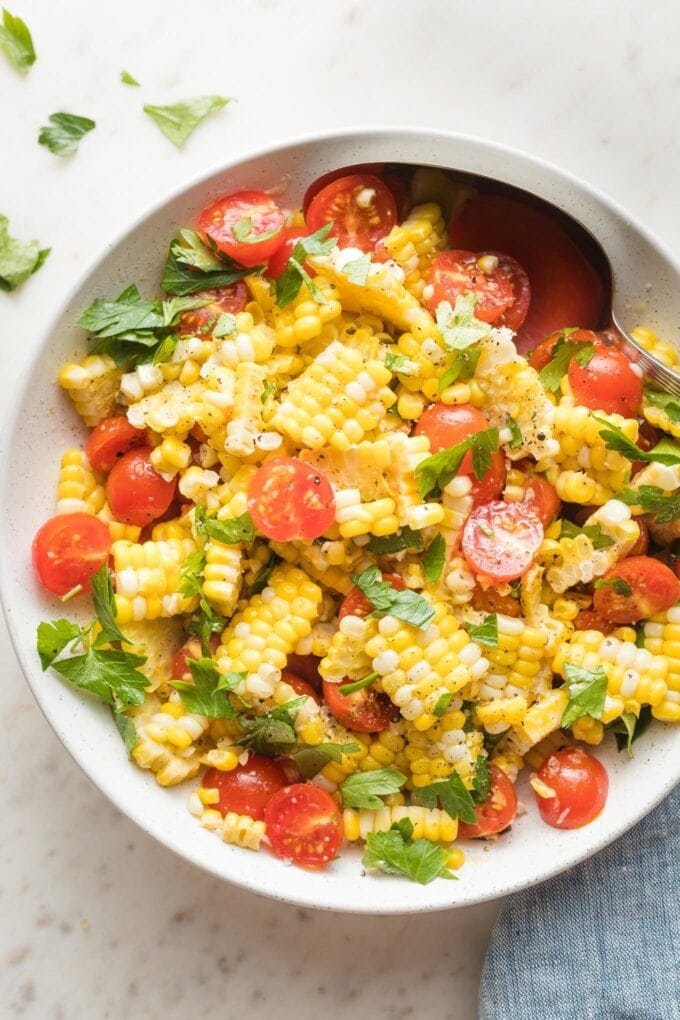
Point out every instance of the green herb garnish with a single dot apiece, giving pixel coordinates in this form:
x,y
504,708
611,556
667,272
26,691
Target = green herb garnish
x,y
405,605
485,633
193,266
434,559
587,690
62,136
287,286
395,853
452,795
207,695
18,259
459,326
435,472
405,538
361,789
16,41
592,531
562,353
178,121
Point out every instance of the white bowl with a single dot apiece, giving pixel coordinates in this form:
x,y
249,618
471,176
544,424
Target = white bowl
x,y
42,425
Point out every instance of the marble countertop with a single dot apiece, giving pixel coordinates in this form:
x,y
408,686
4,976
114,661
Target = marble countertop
x,y
98,920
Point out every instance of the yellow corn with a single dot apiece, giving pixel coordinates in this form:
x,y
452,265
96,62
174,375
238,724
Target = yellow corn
x,y
588,473
571,561
92,385
647,339
158,640
446,747
428,823
170,456
79,489
662,638
147,576
222,575
165,744
305,317
412,244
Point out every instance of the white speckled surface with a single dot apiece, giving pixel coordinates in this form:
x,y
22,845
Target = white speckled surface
x,y
97,920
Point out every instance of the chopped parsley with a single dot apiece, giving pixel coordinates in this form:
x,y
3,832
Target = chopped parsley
x,y
193,266
18,259
62,135
434,559
364,789
207,695
617,584
462,366
178,121
357,270
459,326
452,795
435,472
592,531
405,538
443,702
653,500
485,633
628,727
481,784
397,363
287,286
587,689
16,41
406,605
274,733
562,353
127,79
232,531
127,730
311,760
667,402
516,437
225,326
665,452
358,685
396,853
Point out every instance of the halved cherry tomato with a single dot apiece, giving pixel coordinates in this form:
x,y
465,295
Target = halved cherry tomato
x,y
191,649
232,299
299,685
502,290
489,600
588,619
542,497
110,439
247,226
373,169
580,784
279,260
355,602
136,492
544,353
566,289
497,811
248,788
365,711
360,207
306,667
653,588
446,425
68,549
500,540
288,498
610,382
304,825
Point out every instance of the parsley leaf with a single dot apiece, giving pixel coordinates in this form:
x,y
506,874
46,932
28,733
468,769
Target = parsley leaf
x,y
653,500
481,784
269,388
461,366
262,577
562,353
485,633
287,286
108,673
193,266
18,259
178,121
274,733
357,270
394,853
311,760
127,78
665,452
436,471
668,402
405,605
619,586
517,438
587,692
53,637
207,694
398,363
105,607
443,702
453,796
360,790
129,313
459,326
593,531
225,326
204,623
62,136
16,41
405,538
230,531
628,727
127,730
434,559
243,232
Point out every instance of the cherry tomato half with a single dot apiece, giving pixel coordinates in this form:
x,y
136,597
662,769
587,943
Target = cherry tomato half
x,y
279,260
288,499
109,440
304,825
566,289
588,619
446,425
360,207
365,711
653,588
355,602
580,784
610,382
136,492
232,299
490,600
500,540
306,667
542,497
498,281
300,686
247,226
248,788
68,549
497,811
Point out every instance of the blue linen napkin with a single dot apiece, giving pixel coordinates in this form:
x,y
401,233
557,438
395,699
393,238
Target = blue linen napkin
x,y
601,942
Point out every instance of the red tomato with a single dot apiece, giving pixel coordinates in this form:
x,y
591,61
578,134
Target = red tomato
x,y
542,354
365,711
500,540
609,382
68,550
248,788
304,825
588,619
580,783
566,289
542,497
642,545
489,600
191,649
397,178
300,686
355,602
288,499
247,226
110,440
373,169
306,667
503,293
136,492
497,811
279,260
653,586
447,425
360,207
232,299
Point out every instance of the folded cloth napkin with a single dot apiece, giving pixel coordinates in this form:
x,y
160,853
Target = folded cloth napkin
x,y
601,942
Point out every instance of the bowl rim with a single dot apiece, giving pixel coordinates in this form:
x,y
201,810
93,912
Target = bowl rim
x,y
29,669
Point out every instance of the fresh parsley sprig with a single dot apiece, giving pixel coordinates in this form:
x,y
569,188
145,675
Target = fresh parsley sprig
x,y
592,531
62,135
287,286
18,259
453,796
207,695
435,472
274,733
311,760
364,789
232,531
665,452
462,366
562,353
667,402
459,326
178,121
192,266
664,507
587,689
396,853
405,538
406,605
628,727
434,559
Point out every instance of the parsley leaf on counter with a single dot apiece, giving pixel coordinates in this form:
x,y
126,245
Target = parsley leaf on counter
x,y
485,633
357,270
361,789
18,259
592,531
16,41
406,538
396,854
193,266
405,605
562,353
434,559
653,500
459,326
63,135
207,695
453,796
178,121
287,286
127,78
587,690
436,471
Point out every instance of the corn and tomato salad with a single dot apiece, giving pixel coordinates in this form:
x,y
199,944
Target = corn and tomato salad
x,y
355,560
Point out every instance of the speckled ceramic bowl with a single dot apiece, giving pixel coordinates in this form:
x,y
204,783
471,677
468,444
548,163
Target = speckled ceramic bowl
x,y
42,425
